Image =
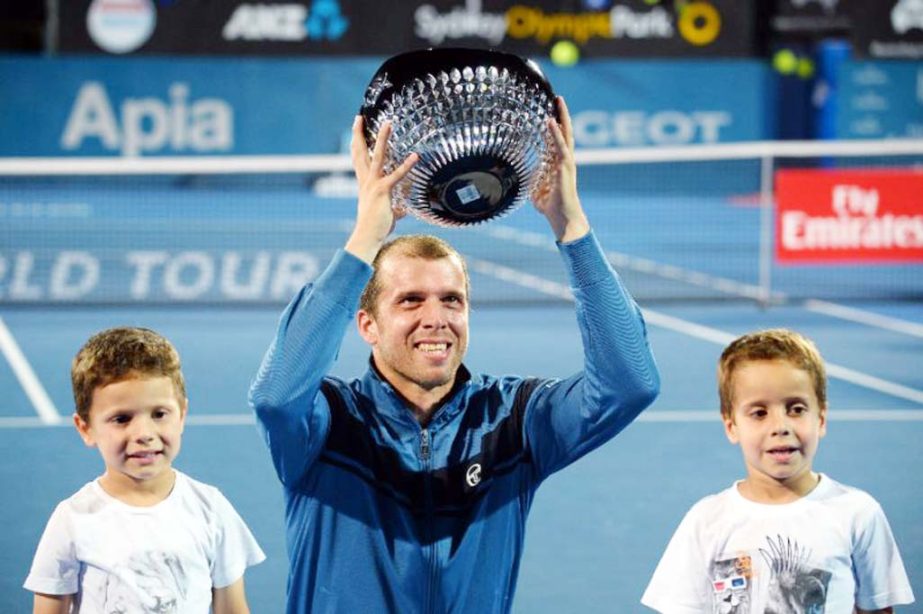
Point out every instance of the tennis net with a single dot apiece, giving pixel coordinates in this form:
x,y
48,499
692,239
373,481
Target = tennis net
x,y
688,223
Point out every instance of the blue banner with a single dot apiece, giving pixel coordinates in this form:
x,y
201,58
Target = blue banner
x,y
182,106
879,99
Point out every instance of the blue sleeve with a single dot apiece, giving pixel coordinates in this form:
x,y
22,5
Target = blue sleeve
x,y
567,418
293,417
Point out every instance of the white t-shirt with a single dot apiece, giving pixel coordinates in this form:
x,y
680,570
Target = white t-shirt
x,y
163,558
825,552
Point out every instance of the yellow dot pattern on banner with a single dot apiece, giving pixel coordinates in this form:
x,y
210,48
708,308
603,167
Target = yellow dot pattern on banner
x,y
565,53
785,61
805,68
699,23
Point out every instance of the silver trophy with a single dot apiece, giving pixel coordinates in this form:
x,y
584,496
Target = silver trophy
x,y
477,119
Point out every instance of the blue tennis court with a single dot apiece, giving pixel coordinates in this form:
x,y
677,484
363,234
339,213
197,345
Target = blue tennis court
x,y
598,528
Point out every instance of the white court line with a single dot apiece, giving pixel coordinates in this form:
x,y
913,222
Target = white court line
x,y
24,422
721,284
651,415
643,265
864,317
691,329
834,415
27,378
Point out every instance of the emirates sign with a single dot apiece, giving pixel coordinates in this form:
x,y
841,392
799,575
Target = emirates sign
x,y
865,216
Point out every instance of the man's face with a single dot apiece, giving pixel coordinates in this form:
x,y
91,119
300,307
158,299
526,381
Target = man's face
x,y
419,329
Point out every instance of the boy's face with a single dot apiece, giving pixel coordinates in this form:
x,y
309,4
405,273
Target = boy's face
x,y
778,422
137,424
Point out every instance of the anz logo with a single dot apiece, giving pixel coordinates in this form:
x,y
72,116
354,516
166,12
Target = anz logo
x,y
286,22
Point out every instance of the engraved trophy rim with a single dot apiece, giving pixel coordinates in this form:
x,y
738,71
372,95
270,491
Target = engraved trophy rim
x,y
476,117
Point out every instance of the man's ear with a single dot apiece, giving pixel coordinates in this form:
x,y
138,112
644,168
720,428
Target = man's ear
x,y
83,429
730,429
367,327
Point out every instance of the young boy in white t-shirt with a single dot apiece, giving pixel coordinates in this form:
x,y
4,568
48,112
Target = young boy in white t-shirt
x,y
143,537
784,539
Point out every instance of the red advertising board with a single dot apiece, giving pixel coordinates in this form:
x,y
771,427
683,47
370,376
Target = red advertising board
x,y
867,216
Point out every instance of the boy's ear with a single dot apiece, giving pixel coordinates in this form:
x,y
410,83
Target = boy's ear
x,y
368,330
730,429
823,420
83,429
183,412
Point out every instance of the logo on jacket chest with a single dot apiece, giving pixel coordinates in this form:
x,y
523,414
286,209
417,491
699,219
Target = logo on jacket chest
x,y
473,475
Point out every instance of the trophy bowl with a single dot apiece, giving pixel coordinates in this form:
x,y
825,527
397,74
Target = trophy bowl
x,y
478,121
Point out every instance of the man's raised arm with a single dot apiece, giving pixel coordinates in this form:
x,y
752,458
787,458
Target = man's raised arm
x,y
284,394
568,418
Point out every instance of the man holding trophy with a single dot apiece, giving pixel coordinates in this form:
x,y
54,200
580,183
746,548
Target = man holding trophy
x,y
407,489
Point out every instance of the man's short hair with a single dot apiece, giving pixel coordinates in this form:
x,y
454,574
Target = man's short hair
x,y
119,354
771,344
427,247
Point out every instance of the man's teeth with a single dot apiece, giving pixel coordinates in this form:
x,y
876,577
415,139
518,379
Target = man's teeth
x,y
434,347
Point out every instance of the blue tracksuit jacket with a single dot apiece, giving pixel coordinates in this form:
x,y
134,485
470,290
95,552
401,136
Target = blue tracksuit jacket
x,y
384,515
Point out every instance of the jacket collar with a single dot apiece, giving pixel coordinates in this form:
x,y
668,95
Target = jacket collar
x,y
389,402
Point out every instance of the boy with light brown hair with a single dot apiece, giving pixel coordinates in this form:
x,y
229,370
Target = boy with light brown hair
x,y
142,537
785,538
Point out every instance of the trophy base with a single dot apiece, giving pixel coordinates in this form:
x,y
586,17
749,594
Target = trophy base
x,y
473,189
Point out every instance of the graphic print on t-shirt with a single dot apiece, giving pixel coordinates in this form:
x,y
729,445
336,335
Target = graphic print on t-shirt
x,y
150,582
795,586
731,583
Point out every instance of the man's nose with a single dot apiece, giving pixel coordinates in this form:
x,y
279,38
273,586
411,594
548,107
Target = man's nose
x,y
434,314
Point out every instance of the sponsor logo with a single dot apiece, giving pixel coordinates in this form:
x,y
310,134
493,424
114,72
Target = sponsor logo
x,y
699,23
145,125
619,22
849,216
855,224
829,6
597,128
869,75
526,22
906,15
121,26
326,21
460,22
286,22
139,275
473,475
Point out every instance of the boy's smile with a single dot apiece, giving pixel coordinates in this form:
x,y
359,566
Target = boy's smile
x,y
137,425
778,422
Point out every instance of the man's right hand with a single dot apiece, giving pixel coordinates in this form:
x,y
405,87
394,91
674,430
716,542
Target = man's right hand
x,y
375,216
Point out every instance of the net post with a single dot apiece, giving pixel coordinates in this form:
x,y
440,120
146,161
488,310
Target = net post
x,y
766,219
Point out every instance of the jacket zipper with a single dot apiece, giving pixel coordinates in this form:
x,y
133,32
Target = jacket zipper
x,y
424,447
428,494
